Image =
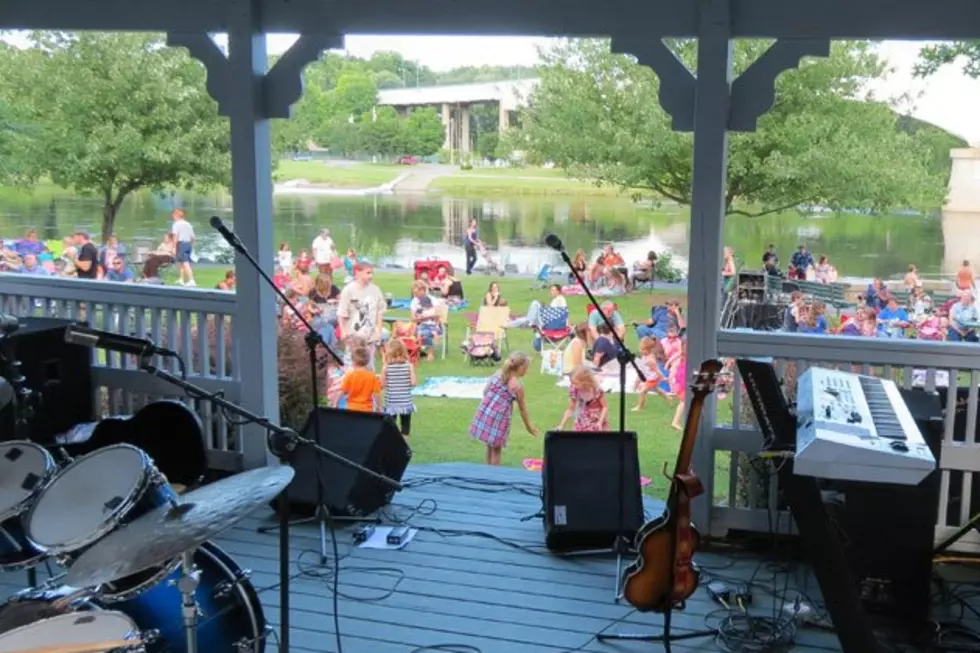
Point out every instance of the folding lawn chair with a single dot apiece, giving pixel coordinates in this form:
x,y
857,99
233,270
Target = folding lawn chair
x,y
543,280
490,320
553,334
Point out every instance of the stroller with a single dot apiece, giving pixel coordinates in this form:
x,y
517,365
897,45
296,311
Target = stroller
x,y
493,266
481,348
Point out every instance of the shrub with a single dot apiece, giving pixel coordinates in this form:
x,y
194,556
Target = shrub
x,y
666,270
295,382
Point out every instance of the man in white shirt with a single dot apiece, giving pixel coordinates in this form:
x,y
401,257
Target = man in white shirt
x,y
184,232
963,319
361,309
324,249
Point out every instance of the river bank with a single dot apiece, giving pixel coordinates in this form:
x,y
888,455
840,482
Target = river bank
x,y
357,178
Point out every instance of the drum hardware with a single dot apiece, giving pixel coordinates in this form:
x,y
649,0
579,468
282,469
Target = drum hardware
x,y
224,589
26,469
281,442
187,585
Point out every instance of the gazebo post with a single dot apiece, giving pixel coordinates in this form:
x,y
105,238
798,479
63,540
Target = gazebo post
x,y
248,93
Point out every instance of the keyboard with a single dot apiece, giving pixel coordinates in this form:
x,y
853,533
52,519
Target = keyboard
x,y
857,428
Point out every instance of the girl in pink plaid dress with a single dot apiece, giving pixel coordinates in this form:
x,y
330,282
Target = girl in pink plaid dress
x,y
491,425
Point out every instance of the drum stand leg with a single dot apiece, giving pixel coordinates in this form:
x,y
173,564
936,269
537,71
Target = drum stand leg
x,y
187,584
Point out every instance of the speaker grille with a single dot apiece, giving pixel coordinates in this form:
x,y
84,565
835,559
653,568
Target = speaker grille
x,y
591,489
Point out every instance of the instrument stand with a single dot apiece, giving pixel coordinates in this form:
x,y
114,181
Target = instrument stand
x,y
187,584
625,358
666,638
322,516
282,442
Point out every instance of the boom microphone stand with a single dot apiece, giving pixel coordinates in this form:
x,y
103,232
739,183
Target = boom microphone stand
x,y
313,339
626,358
282,442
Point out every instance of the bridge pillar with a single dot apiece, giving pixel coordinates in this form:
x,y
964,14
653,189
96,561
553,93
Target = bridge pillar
x,y
464,129
447,125
504,121
961,215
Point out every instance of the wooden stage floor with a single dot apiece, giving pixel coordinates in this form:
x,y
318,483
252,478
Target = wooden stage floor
x,y
477,574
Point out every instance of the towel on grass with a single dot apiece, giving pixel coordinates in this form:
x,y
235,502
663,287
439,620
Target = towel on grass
x,y
403,304
452,387
608,379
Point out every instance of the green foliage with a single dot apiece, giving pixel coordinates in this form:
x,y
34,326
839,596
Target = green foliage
x,y
113,113
934,57
598,115
665,269
937,142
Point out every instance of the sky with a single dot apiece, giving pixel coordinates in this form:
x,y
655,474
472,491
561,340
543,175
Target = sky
x,y
948,98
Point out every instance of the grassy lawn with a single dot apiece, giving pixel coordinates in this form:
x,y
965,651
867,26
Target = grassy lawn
x,y
354,175
529,171
511,182
440,428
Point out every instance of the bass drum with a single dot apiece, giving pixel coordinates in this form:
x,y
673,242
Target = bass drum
x,y
231,619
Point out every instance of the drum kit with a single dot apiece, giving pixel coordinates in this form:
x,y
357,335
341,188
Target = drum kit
x,y
140,572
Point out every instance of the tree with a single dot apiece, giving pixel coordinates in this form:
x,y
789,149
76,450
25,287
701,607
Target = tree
x,y
383,134
933,57
598,115
114,113
423,133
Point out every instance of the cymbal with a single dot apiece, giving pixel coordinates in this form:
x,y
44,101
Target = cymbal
x,y
170,531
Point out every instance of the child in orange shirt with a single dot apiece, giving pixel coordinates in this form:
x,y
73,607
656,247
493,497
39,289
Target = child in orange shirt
x,y
361,385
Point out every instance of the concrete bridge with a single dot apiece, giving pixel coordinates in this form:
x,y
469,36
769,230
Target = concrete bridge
x,y
455,101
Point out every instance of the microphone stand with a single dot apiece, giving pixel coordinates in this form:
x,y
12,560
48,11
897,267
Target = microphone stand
x,y
625,358
282,442
322,514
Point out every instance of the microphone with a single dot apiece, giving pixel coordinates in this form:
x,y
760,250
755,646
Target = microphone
x,y
554,242
226,233
98,339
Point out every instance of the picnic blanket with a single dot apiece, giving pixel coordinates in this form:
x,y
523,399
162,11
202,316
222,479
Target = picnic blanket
x,y
452,387
537,464
609,379
575,289
403,304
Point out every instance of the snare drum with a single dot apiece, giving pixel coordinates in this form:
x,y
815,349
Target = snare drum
x,y
92,497
25,468
72,630
29,606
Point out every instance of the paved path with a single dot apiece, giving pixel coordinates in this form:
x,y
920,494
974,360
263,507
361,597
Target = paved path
x,y
419,177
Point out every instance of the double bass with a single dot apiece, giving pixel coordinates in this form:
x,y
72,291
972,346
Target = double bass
x,y
663,575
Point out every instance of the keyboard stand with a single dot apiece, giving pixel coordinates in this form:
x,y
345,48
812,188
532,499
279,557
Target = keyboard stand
x,y
823,545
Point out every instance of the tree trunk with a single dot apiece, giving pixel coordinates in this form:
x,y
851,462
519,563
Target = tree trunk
x,y
108,219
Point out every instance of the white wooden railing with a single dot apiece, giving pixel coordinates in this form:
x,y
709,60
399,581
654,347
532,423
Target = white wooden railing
x,y
939,366
171,317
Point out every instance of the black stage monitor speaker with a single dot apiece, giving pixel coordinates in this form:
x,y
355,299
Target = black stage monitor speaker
x,y
57,371
586,500
370,440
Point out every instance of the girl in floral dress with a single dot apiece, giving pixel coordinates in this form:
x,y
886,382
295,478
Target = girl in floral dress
x,y
678,382
587,402
491,425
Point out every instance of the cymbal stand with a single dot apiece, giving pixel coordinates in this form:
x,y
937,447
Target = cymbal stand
x,y
187,584
282,442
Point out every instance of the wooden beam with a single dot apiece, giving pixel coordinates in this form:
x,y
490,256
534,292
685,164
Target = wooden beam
x,y
871,19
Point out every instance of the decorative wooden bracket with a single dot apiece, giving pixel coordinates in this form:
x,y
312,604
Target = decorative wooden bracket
x,y
203,48
283,85
280,88
753,93
678,87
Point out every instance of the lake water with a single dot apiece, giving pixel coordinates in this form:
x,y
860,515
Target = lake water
x,y
400,229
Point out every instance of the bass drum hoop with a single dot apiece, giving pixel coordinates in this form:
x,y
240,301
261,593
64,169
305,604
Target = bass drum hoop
x,y
151,476
246,592
110,597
